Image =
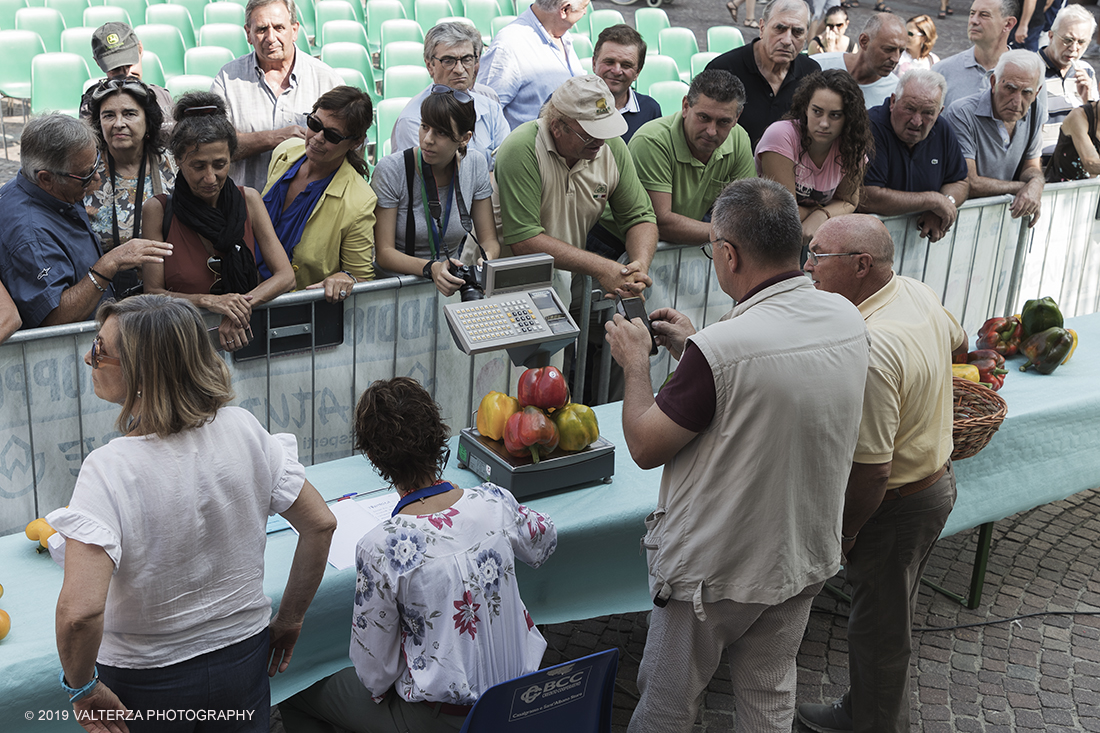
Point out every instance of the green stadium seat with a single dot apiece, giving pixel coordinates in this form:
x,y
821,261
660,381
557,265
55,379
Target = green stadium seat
x,y
680,44
184,83
79,41
327,10
206,60
343,30
57,83
97,15
669,94
482,13
46,22
134,8
428,12
657,68
582,45
700,60
402,53
722,38
404,81
17,48
598,20
168,42
152,71
649,22
7,14
176,15
342,55
223,12
226,35
72,11
401,30
194,7
386,114
378,12
501,21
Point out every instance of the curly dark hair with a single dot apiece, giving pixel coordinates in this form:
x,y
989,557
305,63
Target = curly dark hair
x,y
141,93
856,142
399,428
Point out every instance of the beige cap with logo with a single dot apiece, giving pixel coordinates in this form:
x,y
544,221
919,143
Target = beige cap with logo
x,y
587,100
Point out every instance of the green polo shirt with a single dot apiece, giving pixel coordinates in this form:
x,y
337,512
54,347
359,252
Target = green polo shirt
x,y
540,193
665,165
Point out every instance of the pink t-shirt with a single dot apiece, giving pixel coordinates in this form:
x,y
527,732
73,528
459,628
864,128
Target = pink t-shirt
x,y
812,184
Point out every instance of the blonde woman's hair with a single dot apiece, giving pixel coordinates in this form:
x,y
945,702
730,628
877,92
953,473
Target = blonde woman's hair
x,y
168,361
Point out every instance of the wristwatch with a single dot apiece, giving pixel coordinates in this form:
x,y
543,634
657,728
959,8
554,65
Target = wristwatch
x,y
427,271
952,200
79,693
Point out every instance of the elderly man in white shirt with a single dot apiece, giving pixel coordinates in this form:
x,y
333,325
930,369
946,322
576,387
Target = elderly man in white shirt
x,y
451,53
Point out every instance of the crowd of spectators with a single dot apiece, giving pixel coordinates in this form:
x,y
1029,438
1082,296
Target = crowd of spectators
x,y
516,150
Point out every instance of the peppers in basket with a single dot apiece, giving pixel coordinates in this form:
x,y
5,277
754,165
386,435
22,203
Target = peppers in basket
x,y
1046,350
530,432
989,373
1000,334
544,387
493,414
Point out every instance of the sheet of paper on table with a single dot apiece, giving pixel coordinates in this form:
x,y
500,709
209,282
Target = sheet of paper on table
x,y
354,518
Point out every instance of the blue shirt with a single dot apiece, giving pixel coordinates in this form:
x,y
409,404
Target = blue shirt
x,y
290,222
46,247
927,166
489,131
524,67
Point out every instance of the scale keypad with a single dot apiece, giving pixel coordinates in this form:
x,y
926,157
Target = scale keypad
x,y
483,321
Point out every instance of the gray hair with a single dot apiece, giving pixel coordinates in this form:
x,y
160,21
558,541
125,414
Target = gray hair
x,y
1022,59
49,142
780,6
1010,8
924,78
553,6
551,113
451,34
760,216
878,21
1074,14
254,5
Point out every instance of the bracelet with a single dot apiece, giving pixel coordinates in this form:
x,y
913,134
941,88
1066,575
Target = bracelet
x,y
848,539
79,693
100,288
354,279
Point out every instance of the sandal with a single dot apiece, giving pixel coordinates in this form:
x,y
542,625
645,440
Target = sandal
x,y
881,8
750,23
949,11
941,15
733,11
847,4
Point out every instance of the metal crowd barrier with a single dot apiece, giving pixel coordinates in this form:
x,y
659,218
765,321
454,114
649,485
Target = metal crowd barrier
x,y
50,418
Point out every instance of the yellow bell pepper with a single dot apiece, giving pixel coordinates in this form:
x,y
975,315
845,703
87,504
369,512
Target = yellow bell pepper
x,y
966,371
493,414
1073,347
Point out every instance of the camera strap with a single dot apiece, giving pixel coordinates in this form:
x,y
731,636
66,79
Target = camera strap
x,y
433,210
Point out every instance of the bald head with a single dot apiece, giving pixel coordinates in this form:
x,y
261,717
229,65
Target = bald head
x,y
854,256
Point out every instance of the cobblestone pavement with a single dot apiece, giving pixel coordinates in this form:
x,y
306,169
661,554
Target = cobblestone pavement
x,y
1038,672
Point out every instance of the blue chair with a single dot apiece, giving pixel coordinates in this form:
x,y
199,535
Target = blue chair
x,y
551,700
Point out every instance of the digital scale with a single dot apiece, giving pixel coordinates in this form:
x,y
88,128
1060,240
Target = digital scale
x,y
522,314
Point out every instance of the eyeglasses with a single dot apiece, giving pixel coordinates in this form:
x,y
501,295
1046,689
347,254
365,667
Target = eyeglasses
x,y
583,138
814,258
128,84
1070,41
913,34
214,264
98,357
835,26
86,179
458,94
708,248
330,135
449,61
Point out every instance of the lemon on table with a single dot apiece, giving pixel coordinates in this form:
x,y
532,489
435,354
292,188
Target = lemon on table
x,y
5,624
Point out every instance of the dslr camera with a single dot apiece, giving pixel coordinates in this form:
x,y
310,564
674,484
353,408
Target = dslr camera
x,y
473,277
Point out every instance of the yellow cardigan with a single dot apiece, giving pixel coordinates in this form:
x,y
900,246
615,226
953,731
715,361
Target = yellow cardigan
x,y
339,234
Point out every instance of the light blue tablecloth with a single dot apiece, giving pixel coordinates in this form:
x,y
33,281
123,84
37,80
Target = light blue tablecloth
x,y
1046,450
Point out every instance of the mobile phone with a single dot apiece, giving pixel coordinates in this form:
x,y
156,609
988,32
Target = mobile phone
x,y
631,308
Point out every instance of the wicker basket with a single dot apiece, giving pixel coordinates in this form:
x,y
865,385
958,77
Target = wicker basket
x,y
979,411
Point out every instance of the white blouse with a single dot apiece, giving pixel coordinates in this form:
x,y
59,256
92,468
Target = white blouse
x,y
184,519
437,607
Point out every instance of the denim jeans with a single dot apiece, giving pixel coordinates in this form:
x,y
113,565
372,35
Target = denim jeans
x,y
180,697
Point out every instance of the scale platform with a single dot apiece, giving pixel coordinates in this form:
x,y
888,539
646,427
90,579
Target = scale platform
x,y
525,478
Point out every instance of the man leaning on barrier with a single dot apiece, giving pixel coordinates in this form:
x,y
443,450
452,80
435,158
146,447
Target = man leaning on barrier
x,y
756,456
1001,134
901,488
50,261
918,166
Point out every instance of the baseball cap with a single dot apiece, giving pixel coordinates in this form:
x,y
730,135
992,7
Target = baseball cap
x,y
587,100
115,45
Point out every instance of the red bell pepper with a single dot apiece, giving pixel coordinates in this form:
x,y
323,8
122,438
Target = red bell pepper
x,y
1001,334
530,432
544,387
990,373
974,356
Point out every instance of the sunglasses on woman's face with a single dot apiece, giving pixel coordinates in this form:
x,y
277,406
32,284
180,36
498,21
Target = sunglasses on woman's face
x,y
98,357
332,136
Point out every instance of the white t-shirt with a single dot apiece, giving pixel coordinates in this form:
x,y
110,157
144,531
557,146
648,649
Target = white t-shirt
x,y
184,519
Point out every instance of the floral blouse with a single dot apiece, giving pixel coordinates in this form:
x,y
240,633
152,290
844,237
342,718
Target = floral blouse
x,y
98,203
438,613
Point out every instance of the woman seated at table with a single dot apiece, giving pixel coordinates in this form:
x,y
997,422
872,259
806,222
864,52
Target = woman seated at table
x,y
1075,156
819,149
126,119
438,617
163,599
407,238
214,228
319,203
